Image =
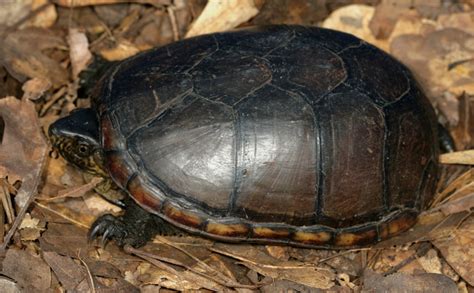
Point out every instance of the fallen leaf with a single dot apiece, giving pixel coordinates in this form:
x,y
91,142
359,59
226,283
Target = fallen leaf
x,y
220,16
78,51
463,21
354,19
386,15
79,3
22,153
458,205
400,282
65,239
122,50
13,11
458,250
23,147
430,262
31,228
285,286
68,272
8,286
183,280
256,259
302,12
439,59
463,131
29,271
35,88
22,55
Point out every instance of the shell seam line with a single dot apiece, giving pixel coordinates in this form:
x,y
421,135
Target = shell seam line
x,y
237,175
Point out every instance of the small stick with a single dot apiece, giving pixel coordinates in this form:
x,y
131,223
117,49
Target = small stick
x,y
422,250
174,22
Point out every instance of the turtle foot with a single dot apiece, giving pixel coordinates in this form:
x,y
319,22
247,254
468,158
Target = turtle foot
x,y
134,228
109,227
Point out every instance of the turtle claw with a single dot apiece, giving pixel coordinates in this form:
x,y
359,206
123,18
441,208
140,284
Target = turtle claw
x,y
109,227
135,227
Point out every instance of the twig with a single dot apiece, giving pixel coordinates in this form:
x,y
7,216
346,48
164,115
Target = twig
x,y
174,22
342,253
75,191
202,264
58,95
6,200
158,261
90,278
269,266
62,216
421,251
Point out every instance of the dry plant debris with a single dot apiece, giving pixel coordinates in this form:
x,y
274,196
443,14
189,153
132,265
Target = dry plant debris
x,y
47,47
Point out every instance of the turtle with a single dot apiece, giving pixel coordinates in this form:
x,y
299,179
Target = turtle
x,y
280,134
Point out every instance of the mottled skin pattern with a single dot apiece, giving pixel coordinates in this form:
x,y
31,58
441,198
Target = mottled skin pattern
x,y
279,134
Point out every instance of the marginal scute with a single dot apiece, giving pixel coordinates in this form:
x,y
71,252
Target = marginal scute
x,y
227,229
119,168
398,223
151,200
321,238
183,217
271,232
111,140
357,237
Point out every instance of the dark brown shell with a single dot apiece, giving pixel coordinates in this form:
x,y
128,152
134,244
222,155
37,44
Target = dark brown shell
x,y
281,134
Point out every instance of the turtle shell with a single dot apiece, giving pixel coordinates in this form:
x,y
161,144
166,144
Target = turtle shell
x,y
278,134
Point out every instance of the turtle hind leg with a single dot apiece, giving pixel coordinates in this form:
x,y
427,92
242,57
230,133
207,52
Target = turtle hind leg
x,y
135,227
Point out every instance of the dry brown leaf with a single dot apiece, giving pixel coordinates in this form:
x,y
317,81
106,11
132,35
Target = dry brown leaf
x,y
35,88
461,157
220,16
439,59
45,18
23,148
13,11
31,228
78,51
354,19
430,262
399,282
386,15
29,271
463,21
8,286
181,280
68,272
253,257
65,239
79,3
454,206
458,250
21,54
463,132
122,50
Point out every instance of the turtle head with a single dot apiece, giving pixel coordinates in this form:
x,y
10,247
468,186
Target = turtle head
x,y
76,138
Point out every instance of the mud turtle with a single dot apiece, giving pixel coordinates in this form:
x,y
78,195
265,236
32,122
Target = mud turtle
x,y
278,134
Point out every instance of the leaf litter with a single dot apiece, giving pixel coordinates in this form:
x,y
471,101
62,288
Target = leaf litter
x,y
49,46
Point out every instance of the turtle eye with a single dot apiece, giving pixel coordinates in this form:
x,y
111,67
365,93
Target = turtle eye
x,y
83,150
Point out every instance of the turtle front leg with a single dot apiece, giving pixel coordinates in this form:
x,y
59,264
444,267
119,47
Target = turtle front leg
x,y
135,227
